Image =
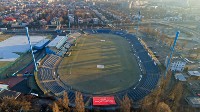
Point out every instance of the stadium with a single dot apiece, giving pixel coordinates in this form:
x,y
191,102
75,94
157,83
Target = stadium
x,y
103,64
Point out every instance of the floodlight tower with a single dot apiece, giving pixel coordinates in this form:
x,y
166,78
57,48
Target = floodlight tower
x,y
69,22
172,51
29,41
139,17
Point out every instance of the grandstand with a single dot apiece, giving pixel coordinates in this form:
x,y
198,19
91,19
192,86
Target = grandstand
x,y
55,45
61,44
50,81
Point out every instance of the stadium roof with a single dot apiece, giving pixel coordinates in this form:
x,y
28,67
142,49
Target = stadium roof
x,y
58,41
54,42
41,44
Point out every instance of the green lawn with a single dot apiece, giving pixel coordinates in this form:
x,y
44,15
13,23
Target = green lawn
x,y
80,69
4,37
17,65
3,64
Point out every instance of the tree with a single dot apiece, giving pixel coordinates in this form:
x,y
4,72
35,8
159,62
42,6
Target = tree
x,y
186,69
63,104
55,107
125,104
10,104
175,96
163,107
80,107
65,101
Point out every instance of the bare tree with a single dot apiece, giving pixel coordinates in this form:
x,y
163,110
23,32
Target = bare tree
x,y
175,96
10,104
55,107
80,107
163,107
125,104
65,101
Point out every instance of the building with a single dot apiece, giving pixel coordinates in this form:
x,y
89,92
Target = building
x,y
194,73
180,77
95,20
49,1
40,45
56,45
193,101
3,87
9,20
177,64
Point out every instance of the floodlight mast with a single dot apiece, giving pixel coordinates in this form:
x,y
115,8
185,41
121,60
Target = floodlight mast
x,y
172,51
29,41
139,17
69,22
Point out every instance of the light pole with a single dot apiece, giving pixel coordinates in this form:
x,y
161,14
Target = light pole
x,y
29,41
69,23
172,51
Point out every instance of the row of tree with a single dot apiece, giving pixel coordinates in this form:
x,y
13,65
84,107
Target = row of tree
x,y
62,105
165,98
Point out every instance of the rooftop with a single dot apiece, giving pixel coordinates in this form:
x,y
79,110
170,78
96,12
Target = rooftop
x,y
180,77
56,41
194,73
41,43
194,101
12,81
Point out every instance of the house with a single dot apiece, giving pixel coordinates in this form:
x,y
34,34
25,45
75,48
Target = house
x,y
95,20
193,101
180,77
9,20
177,64
193,73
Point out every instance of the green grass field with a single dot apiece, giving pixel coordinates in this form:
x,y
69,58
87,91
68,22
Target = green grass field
x,y
4,37
3,64
11,67
80,69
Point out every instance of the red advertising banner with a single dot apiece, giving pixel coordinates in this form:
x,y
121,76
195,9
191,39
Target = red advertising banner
x,y
104,101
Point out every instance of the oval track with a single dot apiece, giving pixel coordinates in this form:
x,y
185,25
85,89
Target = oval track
x,y
49,79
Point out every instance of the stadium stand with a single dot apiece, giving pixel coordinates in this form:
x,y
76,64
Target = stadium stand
x,y
71,96
89,31
150,67
119,32
45,74
144,56
50,62
54,87
103,30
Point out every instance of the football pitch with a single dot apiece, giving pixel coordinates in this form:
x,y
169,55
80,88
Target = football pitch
x,y
118,67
